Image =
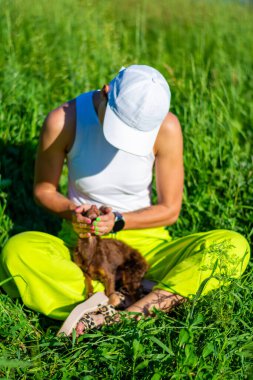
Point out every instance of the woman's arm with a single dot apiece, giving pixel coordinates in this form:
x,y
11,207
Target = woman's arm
x,y
169,173
57,135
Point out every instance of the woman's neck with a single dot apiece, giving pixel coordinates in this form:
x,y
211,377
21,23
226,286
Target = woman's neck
x,y
100,103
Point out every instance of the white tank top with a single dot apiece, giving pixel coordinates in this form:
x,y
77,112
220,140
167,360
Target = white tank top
x,y
101,174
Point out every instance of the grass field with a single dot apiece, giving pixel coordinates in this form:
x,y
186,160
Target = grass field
x,y
51,52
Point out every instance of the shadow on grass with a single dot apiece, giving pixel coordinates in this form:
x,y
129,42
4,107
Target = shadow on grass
x,y
16,186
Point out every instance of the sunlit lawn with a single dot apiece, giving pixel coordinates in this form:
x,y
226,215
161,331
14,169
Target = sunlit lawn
x,y
50,52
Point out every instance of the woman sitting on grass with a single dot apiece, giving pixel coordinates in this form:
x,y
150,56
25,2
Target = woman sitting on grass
x,y
112,139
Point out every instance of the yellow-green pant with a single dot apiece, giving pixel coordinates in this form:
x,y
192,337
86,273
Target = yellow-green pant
x,y
49,282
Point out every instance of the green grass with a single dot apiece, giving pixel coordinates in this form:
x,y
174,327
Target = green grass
x,y
51,52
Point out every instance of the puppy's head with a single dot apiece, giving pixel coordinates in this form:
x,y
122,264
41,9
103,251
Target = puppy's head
x,y
92,213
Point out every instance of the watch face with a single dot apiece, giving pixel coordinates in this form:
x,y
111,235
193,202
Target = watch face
x,y
119,222
119,225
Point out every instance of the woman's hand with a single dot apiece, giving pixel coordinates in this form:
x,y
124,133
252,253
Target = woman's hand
x,y
81,224
84,226
104,223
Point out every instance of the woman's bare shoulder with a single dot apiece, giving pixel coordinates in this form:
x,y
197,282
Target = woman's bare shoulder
x,y
171,124
170,133
60,124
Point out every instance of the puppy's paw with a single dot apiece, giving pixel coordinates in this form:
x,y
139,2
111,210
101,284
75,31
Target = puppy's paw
x,y
116,298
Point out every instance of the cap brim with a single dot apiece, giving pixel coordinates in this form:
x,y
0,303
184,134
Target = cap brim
x,y
126,138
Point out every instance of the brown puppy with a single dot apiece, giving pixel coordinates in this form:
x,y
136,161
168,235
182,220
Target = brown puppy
x,y
108,260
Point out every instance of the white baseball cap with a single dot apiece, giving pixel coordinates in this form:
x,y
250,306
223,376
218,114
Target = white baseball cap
x,y
138,101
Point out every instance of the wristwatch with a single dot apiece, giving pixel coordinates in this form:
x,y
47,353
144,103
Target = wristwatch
x,y
119,222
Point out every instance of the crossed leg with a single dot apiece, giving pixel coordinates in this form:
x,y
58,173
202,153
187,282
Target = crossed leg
x,y
158,299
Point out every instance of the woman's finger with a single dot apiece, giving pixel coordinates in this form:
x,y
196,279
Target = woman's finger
x,y
79,214
101,228
106,218
83,219
86,235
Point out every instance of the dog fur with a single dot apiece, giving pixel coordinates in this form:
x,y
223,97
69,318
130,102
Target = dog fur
x,y
110,261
